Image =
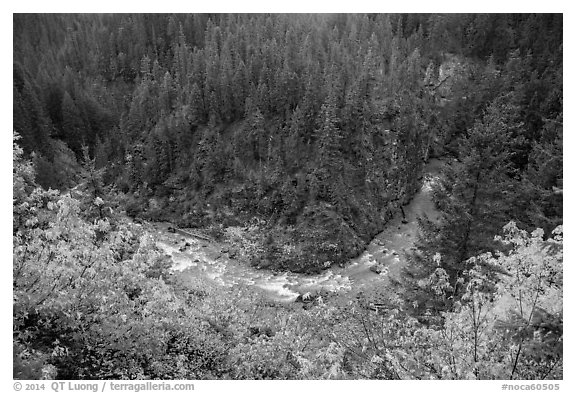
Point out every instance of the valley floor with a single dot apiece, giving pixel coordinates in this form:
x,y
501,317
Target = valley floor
x,y
212,260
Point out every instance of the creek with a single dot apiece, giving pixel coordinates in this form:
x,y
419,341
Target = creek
x,y
212,261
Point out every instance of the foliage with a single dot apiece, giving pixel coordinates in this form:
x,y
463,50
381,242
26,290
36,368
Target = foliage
x,y
93,298
507,326
307,121
296,138
475,196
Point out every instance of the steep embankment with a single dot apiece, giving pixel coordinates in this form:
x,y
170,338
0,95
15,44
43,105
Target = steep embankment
x,y
196,257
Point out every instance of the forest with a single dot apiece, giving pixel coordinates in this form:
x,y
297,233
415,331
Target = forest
x,y
293,141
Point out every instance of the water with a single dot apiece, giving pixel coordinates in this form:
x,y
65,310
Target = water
x,y
388,249
207,260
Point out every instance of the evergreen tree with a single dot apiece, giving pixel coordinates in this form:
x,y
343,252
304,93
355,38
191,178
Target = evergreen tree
x,y
30,120
473,198
328,144
353,103
73,127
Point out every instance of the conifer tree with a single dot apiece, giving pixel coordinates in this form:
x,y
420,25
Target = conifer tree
x,y
73,127
328,144
473,198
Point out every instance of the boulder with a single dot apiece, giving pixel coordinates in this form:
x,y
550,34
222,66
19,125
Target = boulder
x,y
378,268
184,246
261,331
306,297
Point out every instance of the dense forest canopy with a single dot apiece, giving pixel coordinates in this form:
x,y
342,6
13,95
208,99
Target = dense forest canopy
x,y
314,129
318,124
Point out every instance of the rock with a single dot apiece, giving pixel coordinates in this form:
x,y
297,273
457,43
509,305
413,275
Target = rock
x,y
204,245
378,269
171,230
261,331
184,247
306,298
404,222
224,250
